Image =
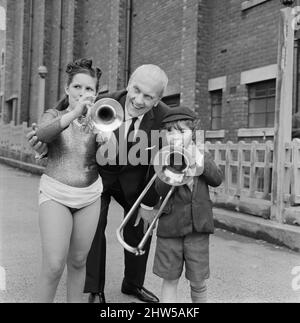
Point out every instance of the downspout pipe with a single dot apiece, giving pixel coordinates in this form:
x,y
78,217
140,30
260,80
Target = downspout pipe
x,y
29,63
60,50
128,40
297,75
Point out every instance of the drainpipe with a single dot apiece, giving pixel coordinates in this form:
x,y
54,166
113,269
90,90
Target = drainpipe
x,y
297,75
29,63
128,40
42,70
60,49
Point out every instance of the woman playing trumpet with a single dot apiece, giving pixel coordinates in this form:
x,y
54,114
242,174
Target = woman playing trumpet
x,y
70,188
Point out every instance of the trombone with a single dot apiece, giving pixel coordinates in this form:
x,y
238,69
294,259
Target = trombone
x,y
172,166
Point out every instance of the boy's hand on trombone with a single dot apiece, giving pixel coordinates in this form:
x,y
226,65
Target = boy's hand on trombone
x,y
147,216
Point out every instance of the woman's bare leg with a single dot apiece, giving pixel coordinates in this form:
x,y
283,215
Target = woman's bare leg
x,y
55,221
84,227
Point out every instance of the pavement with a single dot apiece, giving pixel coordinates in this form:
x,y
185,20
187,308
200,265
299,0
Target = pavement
x,y
243,269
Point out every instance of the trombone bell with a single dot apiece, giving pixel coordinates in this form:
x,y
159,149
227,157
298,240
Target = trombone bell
x,y
172,164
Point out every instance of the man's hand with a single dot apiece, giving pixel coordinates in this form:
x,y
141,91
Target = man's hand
x,y
39,147
147,216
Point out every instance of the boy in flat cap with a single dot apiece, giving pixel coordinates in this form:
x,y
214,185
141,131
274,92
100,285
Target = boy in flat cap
x,y
187,220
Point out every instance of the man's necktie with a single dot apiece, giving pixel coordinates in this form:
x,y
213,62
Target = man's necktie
x,y
130,129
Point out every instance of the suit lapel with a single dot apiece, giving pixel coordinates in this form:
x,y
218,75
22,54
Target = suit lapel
x,y
117,131
147,122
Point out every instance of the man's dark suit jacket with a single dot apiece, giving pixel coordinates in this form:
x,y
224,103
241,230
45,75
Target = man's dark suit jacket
x,y
134,178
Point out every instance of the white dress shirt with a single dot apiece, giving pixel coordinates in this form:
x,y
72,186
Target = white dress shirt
x,y
127,123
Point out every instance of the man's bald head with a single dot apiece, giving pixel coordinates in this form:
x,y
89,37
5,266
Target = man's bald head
x,y
153,72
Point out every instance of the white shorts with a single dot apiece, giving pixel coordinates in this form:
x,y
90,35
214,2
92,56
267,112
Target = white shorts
x,y
73,197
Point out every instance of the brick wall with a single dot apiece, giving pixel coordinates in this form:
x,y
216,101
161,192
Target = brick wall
x,y
53,53
203,61
34,61
98,27
94,40
239,41
2,32
242,40
14,50
192,40
156,37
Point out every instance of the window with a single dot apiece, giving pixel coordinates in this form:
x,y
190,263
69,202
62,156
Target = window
x,y
172,100
11,111
216,109
251,3
261,107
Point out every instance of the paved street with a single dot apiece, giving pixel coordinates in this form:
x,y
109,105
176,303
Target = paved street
x,y
242,269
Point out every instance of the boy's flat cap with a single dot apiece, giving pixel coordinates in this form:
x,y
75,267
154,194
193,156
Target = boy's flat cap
x,y
179,113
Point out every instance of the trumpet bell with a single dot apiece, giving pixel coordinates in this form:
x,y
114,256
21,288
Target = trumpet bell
x,y
107,115
171,164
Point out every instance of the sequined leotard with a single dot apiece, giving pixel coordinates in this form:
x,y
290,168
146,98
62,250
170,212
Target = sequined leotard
x,y
71,152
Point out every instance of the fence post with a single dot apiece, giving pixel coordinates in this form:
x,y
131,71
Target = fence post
x,y
227,166
283,110
267,168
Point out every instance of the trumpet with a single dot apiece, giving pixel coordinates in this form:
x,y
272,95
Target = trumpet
x,y
171,165
105,115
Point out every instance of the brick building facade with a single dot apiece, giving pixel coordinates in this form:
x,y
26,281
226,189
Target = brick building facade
x,y
2,51
220,55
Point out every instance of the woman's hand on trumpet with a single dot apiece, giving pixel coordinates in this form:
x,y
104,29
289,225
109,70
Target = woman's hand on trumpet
x,y
147,216
83,105
82,109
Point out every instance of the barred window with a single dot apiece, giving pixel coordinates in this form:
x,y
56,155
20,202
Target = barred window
x,y
261,108
216,109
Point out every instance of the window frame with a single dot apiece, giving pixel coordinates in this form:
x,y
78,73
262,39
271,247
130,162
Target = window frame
x,y
270,86
213,105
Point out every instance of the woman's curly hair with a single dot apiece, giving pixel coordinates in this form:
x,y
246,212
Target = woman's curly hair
x,y
85,66
82,65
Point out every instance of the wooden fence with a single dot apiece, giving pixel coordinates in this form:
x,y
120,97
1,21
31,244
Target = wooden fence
x,y
13,142
247,168
248,175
